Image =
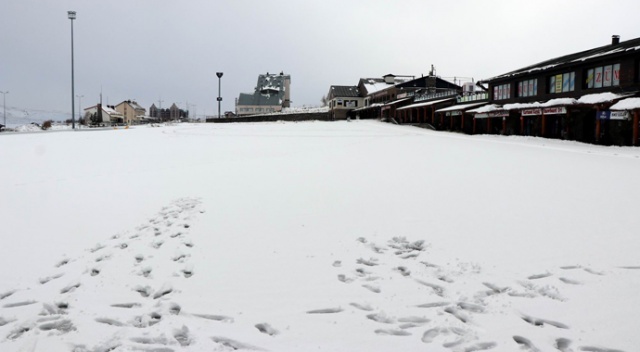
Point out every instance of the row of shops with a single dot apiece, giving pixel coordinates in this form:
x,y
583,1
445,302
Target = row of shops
x,y
591,96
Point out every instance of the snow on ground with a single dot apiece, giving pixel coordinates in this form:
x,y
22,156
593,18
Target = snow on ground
x,y
335,236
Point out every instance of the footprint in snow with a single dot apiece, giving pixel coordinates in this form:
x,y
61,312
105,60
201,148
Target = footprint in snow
x,y
6,294
126,305
182,336
19,304
539,276
267,329
70,288
381,318
325,311
525,343
598,349
234,345
372,288
365,307
481,346
220,318
392,332
541,322
570,281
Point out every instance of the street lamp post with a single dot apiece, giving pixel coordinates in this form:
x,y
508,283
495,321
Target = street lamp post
x,y
72,16
219,74
4,106
79,108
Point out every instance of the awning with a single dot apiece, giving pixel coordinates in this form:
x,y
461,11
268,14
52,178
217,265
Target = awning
x,y
626,104
461,107
428,103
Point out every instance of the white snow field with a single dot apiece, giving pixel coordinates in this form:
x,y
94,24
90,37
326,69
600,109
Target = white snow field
x,y
343,236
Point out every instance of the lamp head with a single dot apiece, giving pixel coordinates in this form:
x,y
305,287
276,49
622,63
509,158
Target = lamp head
x,y
72,15
219,74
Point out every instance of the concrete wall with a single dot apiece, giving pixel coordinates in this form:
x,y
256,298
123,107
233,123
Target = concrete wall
x,y
321,116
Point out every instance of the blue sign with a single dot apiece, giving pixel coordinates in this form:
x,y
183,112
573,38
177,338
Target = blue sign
x,y
603,115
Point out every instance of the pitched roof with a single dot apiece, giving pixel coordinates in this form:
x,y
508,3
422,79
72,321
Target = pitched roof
x,y
583,56
344,91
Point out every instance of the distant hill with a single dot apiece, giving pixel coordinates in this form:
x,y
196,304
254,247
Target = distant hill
x,y
18,117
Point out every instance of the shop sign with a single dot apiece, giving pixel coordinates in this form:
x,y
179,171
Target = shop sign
x,y
613,115
531,112
402,95
453,113
492,114
554,111
619,115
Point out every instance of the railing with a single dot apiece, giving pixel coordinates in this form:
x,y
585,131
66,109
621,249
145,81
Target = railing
x,y
430,96
473,97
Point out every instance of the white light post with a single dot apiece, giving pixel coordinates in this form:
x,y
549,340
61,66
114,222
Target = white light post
x,y
72,16
4,106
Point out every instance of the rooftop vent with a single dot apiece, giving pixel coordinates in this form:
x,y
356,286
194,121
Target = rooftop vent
x,y
615,39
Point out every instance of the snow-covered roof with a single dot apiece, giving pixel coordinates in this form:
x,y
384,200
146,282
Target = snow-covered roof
x,y
486,108
461,107
428,103
587,55
374,87
519,106
627,104
600,98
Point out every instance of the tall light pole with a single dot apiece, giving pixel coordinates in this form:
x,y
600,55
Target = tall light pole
x,y
72,16
219,74
4,106
79,108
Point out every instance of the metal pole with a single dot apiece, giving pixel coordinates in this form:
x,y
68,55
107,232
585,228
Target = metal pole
x,y
72,16
219,74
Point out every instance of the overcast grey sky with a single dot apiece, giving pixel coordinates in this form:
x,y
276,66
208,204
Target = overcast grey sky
x,y
149,50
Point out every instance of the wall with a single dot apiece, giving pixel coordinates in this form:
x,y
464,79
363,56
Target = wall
x,y
321,116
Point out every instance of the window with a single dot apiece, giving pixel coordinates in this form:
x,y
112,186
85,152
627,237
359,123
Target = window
x,y
603,76
563,82
528,88
502,92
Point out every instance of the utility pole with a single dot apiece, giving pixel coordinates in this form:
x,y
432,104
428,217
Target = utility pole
x,y
72,16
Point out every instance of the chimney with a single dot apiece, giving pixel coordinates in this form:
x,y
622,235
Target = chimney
x,y
615,39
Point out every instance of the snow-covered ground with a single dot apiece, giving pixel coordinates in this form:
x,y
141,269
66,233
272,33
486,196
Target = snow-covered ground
x,y
343,236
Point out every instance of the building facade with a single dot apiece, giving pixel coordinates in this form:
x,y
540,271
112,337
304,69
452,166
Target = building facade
x,y
569,97
342,99
272,94
133,113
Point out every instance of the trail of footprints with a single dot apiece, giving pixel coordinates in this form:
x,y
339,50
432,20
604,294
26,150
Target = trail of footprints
x,y
152,316
159,323
449,318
